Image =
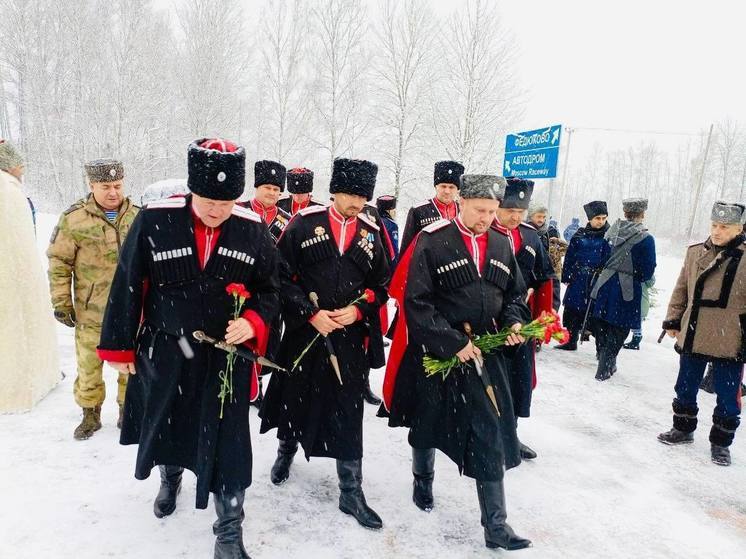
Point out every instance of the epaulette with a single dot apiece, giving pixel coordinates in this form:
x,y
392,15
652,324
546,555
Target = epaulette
x,y
80,204
246,213
425,203
435,226
366,219
526,224
312,210
167,203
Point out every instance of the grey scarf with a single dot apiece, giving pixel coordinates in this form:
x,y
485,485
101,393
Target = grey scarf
x,y
622,236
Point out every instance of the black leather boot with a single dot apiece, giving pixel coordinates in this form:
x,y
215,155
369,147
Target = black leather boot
x,y
497,533
368,393
423,470
281,468
227,528
165,501
527,453
674,437
351,497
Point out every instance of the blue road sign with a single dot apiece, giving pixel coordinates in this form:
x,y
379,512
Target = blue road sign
x,y
532,154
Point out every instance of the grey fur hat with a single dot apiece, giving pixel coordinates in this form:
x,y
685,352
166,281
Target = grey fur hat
x,y
104,170
491,187
635,205
537,208
729,213
9,156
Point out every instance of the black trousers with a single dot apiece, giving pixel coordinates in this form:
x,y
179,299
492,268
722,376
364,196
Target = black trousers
x,y
573,321
609,341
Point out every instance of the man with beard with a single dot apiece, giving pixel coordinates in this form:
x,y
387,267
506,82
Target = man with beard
x,y
446,177
180,257
706,316
585,257
617,293
334,277
538,275
459,277
300,187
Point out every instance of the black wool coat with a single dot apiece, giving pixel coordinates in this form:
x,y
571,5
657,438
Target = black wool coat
x,y
309,404
171,409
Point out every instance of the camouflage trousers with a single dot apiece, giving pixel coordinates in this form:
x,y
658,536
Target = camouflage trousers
x,y
89,388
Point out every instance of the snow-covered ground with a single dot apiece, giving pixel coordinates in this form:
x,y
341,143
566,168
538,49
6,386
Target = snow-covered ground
x,y
602,485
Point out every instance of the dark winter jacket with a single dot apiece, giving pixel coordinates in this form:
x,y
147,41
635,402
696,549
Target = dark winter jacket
x,y
393,230
610,304
585,256
571,229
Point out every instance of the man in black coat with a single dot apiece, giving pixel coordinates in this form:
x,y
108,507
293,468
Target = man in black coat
x,y
269,184
538,274
446,177
460,276
335,256
300,187
174,268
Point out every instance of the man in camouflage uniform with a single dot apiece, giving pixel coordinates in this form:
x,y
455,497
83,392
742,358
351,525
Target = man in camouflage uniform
x,y
83,251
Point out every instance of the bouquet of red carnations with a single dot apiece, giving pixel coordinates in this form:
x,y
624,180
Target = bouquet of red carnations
x,y
545,328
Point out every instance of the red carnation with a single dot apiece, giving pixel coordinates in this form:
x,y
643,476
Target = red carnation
x,y
369,296
235,289
245,294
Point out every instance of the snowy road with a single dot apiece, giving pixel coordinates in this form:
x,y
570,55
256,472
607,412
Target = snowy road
x,y
601,487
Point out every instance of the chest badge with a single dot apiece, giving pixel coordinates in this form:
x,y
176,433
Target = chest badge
x,y
319,231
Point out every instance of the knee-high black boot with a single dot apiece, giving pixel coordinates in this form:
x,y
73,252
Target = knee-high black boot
x,y
351,497
497,532
281,468
165,501
227,528
368,393
423,469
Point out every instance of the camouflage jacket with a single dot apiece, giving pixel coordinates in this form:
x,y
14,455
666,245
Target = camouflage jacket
x,y
83,251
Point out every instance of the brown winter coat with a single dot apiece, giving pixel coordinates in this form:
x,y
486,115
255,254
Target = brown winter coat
x,y
708,304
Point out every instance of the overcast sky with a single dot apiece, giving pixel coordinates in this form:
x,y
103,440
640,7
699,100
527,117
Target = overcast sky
x,y
655,64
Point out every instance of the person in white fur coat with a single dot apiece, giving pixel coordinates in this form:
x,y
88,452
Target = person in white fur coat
x,y
29,364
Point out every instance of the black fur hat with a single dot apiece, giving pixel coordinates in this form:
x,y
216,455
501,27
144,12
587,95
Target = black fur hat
x,y
595,208
386,203
448,172
353,176
517,193
269,172
216,169
300,181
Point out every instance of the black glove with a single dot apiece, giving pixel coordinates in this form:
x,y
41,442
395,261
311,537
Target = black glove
x,y
65,316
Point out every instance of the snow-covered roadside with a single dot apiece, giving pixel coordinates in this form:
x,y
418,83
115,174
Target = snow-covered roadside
x,y
601,487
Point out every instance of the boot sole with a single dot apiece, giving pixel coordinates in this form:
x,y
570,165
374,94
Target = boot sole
x,y
669,443
352,514
491,545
